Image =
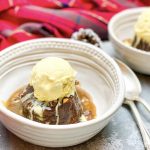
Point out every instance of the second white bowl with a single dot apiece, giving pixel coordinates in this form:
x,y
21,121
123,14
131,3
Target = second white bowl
x,y
121,27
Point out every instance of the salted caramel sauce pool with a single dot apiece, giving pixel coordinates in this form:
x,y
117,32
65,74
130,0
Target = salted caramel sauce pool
x,y
89,109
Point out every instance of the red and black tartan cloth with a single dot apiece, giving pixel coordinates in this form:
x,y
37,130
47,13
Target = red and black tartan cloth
x,y
22,20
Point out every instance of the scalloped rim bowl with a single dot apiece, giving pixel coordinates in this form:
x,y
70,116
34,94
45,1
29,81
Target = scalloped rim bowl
x,y
84,57
121,27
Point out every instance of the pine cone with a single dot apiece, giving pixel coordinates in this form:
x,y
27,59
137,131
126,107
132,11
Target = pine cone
x,y
88,36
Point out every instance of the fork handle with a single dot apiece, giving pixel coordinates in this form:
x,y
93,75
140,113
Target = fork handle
x,y
141,100
144,131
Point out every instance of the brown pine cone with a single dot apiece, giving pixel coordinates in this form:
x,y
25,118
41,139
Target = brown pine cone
x,y
88,36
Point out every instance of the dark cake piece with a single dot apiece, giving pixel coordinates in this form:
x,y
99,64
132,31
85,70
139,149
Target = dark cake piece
x,y
140,44
62,111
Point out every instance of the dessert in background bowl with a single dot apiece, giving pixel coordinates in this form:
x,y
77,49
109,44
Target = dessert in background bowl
x,y
141,39
129,34
27,62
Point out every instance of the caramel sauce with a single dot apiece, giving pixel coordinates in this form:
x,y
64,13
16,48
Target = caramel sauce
x,y
89,109
13,104
128,41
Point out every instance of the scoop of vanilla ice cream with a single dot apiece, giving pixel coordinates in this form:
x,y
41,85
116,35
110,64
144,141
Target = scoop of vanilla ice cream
x,y
52,78
142,26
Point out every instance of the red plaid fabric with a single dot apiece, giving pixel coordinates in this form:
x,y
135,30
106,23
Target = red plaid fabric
x,y
22,20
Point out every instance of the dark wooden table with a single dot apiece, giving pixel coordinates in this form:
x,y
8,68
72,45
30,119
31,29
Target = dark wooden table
x,y
120,134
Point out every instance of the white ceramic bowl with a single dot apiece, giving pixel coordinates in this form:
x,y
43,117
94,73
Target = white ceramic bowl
x,y
97,72
121,27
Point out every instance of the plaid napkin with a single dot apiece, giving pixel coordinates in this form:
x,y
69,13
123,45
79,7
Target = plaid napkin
x,y
22,20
